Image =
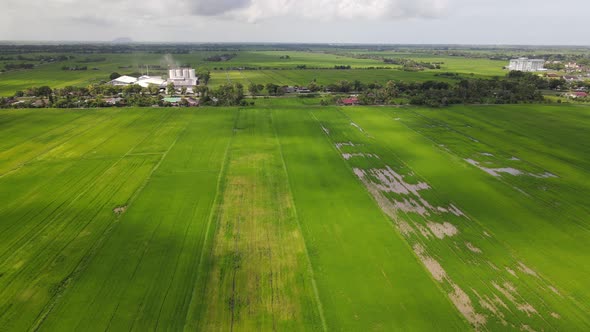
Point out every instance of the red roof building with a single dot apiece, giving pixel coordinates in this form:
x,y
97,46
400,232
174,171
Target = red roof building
x,y
350,101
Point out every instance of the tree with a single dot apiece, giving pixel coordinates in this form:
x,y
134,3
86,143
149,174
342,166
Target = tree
x,y
202,91
254,89
153,89
183,90
313,87
204,76
115,75
170,88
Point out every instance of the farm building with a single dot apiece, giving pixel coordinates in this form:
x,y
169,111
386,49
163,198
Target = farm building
x,y
526,64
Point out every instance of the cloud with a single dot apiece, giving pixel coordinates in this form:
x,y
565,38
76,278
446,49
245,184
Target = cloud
x,y
218,7
256,10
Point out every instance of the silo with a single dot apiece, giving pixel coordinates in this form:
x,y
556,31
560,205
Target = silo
x,y
192,74
178,73
171,74
186,73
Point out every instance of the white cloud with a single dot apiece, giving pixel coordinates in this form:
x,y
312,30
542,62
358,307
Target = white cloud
x,y
255,10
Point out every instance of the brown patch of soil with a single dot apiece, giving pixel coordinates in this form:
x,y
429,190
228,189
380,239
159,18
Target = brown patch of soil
x,y
527,309
490,305
442,230
434,267
424,231
527,270
555,315
463,303
391,181
405,228
511,271
120,210
554,290
472,248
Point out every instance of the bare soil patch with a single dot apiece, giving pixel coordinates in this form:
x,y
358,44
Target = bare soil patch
x,y
442,230
434,267
119,210
472,248
527,270
464,305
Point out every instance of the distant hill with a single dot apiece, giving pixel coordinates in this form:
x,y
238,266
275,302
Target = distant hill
x,y
122,40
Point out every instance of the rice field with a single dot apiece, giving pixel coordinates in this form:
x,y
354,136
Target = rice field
x,y
289,216
270,68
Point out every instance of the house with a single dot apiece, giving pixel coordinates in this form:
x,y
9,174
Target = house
x,y
113,101
193,102
289,89
351,101
578,94
570,78
38,103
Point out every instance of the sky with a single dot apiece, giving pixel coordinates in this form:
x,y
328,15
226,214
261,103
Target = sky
x,y
495,22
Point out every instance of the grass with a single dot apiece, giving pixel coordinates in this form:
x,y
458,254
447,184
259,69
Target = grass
x,y
292,216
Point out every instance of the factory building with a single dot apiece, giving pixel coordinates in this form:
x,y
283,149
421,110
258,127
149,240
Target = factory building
x,y
526,64
180,77
183,78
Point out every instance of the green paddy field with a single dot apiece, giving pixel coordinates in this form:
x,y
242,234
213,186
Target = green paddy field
x,y
287,216
246,67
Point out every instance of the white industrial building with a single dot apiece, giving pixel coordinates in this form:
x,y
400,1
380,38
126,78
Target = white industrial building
x,y
180,77
123,80
183,78
526,64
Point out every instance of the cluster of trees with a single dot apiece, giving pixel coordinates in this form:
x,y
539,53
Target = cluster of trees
x,y
412,65
90,60
516,87
74,68
16,66
285,57
221,57
555,66
342,67
225,95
